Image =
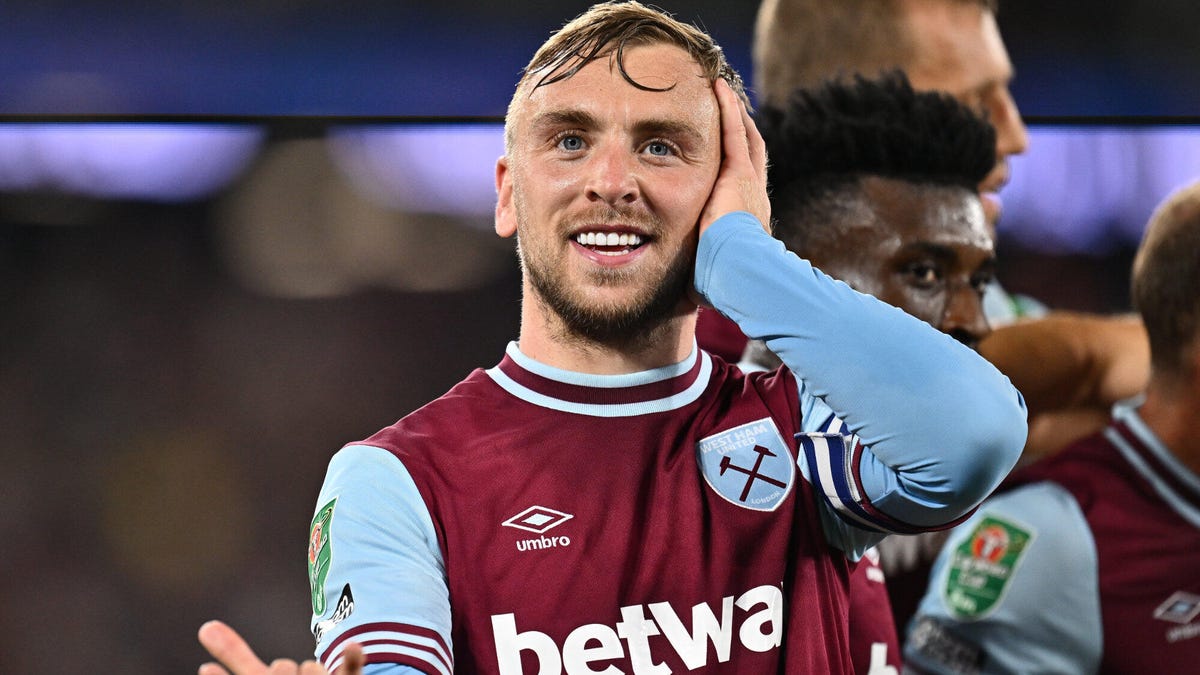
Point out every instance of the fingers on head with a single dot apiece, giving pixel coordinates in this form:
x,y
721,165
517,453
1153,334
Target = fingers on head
x,y
733,113
754,140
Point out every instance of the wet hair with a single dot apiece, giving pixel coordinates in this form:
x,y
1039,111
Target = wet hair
x,y
1166,282
801,43
827,139
606,30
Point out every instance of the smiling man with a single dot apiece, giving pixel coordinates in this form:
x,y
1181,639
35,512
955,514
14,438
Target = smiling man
x,y
580,175
608,497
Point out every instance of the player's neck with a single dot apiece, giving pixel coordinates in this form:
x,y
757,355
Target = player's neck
x,y
1170,410
545,339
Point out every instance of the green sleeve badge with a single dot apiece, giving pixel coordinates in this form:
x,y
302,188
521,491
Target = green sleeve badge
x,y
981,567
319,555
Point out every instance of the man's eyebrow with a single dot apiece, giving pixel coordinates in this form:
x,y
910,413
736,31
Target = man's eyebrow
x,y
572,117
931,249
667,127
565,118
941,252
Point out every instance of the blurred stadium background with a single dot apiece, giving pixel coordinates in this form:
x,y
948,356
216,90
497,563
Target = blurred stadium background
x,y
234,236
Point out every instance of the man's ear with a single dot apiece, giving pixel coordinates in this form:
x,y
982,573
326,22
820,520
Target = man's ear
x,y
506,216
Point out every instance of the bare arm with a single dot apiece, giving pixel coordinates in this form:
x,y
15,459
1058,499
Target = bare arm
x,y
1068,360
1071,368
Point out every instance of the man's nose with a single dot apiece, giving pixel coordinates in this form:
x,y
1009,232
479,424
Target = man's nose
x,y
613,177
963,318
1012,138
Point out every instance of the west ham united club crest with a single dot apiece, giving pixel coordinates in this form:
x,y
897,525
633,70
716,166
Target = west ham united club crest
x,y
749,465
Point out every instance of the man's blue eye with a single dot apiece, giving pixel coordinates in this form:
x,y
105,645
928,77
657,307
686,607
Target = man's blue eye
x,y
660,149
571,143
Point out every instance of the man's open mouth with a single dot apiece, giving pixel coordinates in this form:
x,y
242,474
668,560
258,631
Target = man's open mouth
x,y
609,243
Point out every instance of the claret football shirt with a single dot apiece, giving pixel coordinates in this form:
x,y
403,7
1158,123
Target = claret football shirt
x,y
690,518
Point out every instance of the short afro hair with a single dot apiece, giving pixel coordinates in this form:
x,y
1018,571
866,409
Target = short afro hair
x,y
828,138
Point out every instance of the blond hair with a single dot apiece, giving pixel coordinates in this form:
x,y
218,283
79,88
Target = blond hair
x,y
605,30
1166,280
804,43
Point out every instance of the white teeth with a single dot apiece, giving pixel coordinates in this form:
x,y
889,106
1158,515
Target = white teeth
x,y
608,239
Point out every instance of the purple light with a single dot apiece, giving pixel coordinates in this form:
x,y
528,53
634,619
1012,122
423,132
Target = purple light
x,y
155,162
424,169
1088,189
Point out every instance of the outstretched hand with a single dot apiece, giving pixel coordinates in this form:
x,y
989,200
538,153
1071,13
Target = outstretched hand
x,y
742,179
238,658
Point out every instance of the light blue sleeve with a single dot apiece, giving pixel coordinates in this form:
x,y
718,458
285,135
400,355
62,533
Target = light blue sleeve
x,y
817,420
939,426
376,567
389,669
1014,590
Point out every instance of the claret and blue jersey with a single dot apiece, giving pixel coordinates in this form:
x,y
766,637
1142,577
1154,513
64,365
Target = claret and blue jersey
x,y
1085,562
535,520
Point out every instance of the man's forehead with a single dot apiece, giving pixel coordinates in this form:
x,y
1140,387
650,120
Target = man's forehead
x,y
943,212
956,47
647,75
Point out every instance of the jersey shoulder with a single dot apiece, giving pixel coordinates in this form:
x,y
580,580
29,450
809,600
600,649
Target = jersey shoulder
x,y
1025,550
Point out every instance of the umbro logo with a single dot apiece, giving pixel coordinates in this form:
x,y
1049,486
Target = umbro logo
x,y
539,520
1181,607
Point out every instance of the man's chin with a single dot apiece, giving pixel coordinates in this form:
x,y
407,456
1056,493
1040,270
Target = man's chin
x,y
615,322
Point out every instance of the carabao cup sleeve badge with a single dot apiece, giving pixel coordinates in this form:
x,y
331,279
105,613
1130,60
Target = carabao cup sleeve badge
x,y
749,465
983,565
320,554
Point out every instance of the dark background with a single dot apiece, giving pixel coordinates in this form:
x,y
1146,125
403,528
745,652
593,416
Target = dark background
x,y
452,57
170,394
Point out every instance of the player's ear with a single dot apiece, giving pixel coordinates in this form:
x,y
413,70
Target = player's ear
x,y
506,216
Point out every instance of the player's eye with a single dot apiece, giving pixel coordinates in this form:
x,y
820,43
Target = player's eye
x,y
924,275
981,281
570,142
658,148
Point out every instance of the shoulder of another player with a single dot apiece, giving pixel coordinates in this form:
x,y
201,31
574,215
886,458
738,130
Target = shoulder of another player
x,y
1041,516
1002,583
1025,547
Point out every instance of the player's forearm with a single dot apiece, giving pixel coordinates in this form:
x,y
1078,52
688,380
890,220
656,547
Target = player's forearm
x,y
1070,360
944,425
